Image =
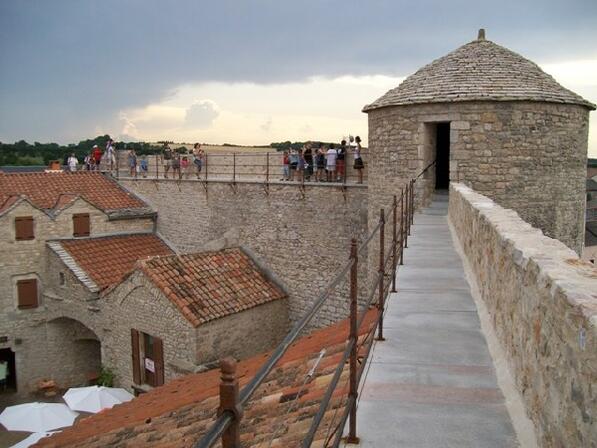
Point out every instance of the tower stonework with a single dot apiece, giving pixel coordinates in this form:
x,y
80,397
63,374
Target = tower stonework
x,y
491,119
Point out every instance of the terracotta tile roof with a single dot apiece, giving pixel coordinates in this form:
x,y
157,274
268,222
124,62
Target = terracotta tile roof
x,y
44,190
209,285
177,414
107,259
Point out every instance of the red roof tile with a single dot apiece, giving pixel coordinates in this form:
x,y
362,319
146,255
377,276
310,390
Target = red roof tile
x,y
210,285
44,189
107,259
177,414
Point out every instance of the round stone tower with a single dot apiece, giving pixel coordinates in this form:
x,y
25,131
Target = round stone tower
x,y
491,119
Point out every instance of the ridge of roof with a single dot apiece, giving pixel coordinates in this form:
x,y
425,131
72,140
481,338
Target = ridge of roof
x,y
209,285
480,70
44,190
106,259
178,413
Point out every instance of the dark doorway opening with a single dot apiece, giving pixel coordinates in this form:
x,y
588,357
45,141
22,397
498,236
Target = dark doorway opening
x,y
7,358
442,156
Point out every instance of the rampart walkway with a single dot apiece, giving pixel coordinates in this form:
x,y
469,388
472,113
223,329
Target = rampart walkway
x,y
432,383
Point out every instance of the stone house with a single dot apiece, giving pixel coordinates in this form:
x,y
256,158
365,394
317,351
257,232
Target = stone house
x,y
34,209
489,118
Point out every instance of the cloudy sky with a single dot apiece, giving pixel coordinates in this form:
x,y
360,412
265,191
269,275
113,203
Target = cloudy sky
x,y
253,72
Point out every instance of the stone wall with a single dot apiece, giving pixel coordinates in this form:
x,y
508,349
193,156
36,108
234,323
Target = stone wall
x,y
542,301
527,156
138,304
303,236
243,334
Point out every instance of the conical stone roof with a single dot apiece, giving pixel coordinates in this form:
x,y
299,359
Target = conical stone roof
x,y
478,71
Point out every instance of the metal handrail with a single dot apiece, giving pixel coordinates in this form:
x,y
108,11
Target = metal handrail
x,y
227,417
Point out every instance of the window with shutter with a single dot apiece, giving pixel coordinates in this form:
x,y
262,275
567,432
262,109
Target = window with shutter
x,y
27,293
81,224
24,228
158,360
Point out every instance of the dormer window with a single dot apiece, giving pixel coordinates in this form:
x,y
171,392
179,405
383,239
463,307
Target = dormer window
x,y
81,224
24,228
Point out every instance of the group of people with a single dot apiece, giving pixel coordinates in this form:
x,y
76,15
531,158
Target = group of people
x,y
324,165
180,163
94,160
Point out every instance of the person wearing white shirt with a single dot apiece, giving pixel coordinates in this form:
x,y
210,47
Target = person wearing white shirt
x,y
72,163
331,157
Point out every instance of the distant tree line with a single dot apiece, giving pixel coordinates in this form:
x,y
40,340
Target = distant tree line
x,y
23,153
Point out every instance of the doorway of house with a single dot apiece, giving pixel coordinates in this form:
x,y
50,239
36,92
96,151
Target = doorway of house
x,y
7,361
442,156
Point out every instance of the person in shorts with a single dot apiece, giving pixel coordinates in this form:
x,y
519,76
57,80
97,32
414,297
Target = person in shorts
x,y
132,159
300,166
97,157
166,159
320,161
293,163
176,165
331,157
308,156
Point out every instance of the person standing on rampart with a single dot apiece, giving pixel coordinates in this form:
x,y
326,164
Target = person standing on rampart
x,y
132,159
308,155
358,160
97,157
198,158
293,163
285,166
166,159
109,155
331,163
320,161
340,165
176,165
72,163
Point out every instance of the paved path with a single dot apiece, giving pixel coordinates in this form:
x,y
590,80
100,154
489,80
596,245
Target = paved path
x,y
432,382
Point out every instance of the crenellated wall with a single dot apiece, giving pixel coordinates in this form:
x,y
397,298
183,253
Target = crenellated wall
x,y
542,300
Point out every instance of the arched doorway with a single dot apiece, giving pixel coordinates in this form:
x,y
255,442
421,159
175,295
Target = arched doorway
x,y
8,371
74,352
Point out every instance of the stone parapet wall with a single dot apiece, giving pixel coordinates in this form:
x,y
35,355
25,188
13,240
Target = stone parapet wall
x,y
543,305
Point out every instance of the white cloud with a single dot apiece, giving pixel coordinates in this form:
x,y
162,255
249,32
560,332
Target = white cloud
x,y
201,114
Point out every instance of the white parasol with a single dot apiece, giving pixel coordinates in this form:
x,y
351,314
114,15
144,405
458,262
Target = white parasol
x,y
95,398
32,439
37,417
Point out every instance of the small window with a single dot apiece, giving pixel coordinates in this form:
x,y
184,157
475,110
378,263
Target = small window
x,y
27,293
24,228
62,279
148,359
81,226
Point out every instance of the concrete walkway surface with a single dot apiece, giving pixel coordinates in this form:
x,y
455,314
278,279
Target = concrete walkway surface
x,y
432,382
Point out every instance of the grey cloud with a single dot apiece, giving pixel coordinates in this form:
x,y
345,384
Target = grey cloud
x,y
69,66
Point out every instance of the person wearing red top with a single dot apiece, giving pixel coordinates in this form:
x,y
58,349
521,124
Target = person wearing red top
x,y
96,157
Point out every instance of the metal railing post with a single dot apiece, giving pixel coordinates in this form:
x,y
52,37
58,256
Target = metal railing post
x,y
380,272
410,206
412,201
394,241
205,165
117,164
402,226
233,167
267,168
229,402
406,212
353,387
157,164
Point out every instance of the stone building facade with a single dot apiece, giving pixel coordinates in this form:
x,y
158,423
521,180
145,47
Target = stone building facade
x,y
493,120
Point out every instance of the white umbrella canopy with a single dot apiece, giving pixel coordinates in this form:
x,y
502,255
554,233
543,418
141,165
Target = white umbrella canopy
x,y
95,398
32,439
37,417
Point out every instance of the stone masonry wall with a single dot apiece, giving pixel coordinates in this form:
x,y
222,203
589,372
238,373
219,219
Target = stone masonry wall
x,y
304,238
138,304
528,156
243,334
542,301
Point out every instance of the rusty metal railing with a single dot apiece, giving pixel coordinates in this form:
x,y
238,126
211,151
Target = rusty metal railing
x,y
227,425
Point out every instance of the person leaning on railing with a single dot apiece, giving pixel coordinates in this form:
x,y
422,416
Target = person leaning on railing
x,y
166,159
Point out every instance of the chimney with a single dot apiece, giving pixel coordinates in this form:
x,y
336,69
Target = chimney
x,y
481,35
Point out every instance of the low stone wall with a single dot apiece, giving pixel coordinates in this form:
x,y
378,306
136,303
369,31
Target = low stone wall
x,y
542,300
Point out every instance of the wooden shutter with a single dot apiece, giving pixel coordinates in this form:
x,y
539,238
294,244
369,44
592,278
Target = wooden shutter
x,y
136,357
81,225
158,359
27,293
24,228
